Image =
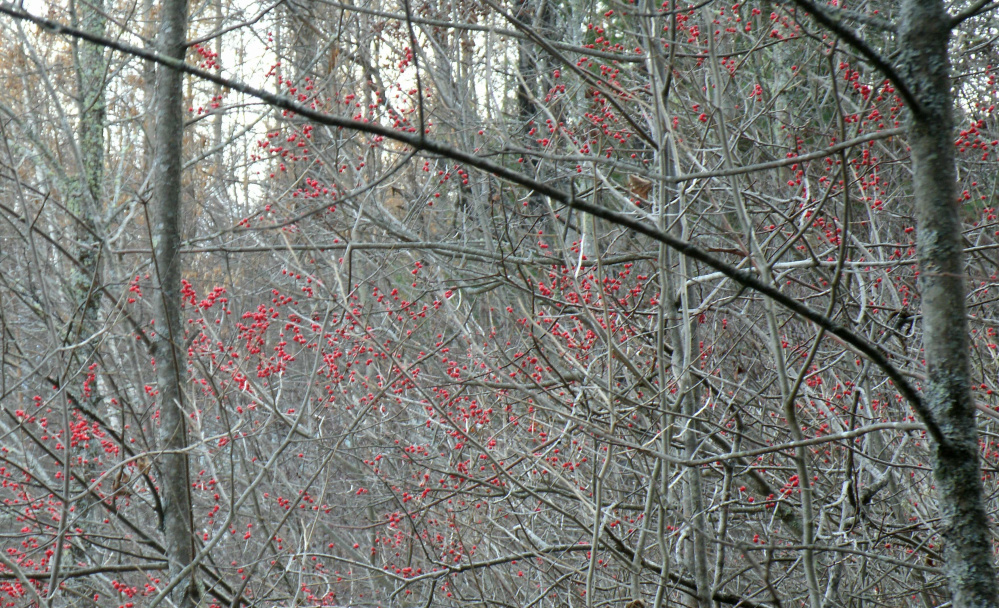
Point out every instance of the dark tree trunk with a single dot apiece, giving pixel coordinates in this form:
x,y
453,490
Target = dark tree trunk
x,y
168,114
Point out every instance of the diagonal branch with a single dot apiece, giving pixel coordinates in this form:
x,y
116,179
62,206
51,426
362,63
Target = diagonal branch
x,y
835,23
978,8
419,142
598,83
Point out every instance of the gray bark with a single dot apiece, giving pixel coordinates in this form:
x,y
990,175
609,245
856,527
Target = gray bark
x,y
925,30
168,114
86,190
85,200
91,98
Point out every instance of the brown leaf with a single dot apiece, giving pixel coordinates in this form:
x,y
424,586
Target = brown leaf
x,y
639,187
334,54
119,485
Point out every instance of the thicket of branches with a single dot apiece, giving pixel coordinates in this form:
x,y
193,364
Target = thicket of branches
x,y
409,381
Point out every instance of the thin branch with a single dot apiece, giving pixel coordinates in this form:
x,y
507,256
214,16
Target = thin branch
x,y
417,141
608,92
835,23
689,177
212,35
83,572
980,7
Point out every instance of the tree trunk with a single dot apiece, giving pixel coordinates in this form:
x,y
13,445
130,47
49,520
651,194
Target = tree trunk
x,y
168,114
925,30
86,202
86,189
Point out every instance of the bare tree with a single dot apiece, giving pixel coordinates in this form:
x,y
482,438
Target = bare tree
x,y
656,339
924,31
168,212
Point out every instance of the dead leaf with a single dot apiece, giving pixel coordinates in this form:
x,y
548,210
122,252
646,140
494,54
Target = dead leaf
x,y
334,54
641,188
119,485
